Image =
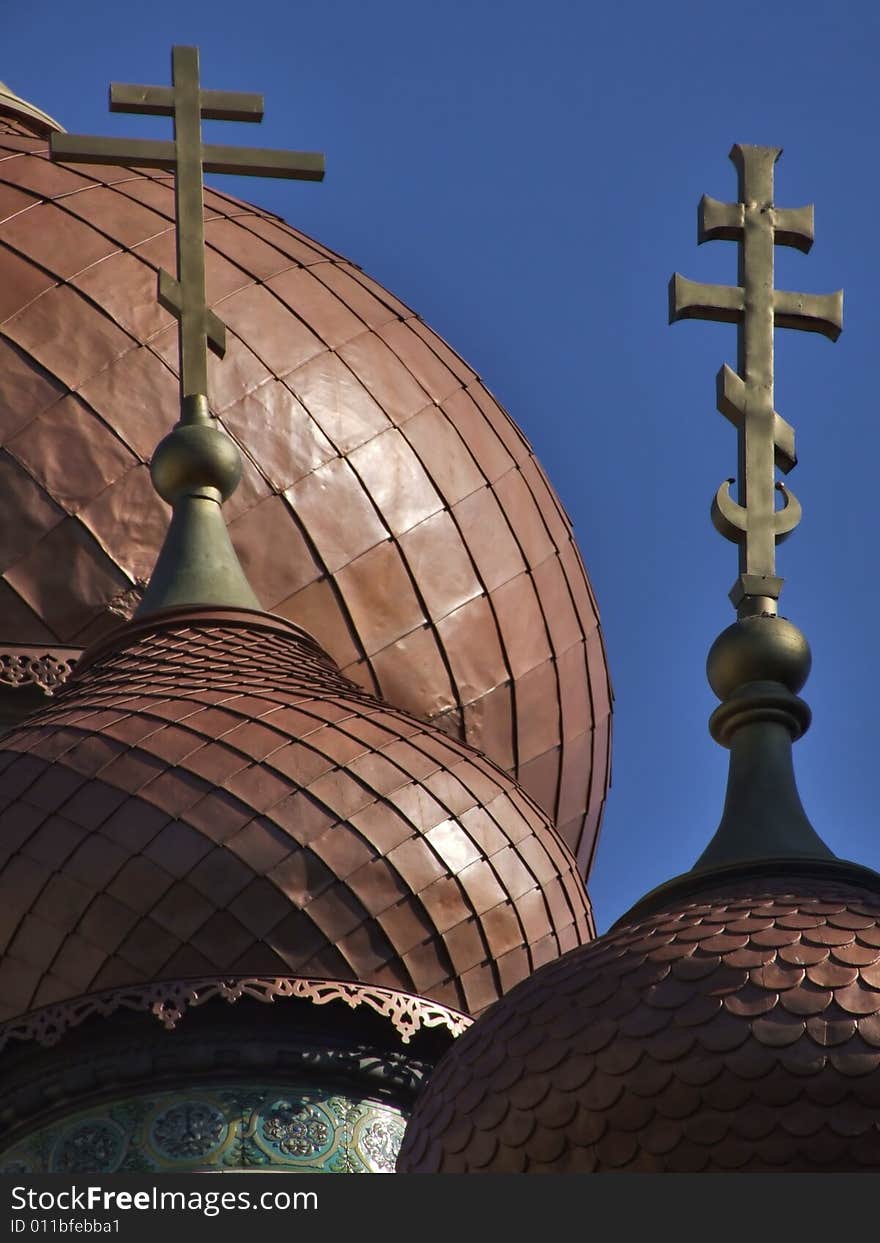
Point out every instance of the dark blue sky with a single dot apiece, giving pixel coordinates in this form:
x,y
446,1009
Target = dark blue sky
x,y
526,177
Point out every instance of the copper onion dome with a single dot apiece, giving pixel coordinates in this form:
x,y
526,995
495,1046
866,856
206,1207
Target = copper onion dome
x,y
209,795
737,1030
210,808
420,537
730,1020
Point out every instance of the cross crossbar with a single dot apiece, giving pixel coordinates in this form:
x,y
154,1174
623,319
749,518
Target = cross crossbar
x,y
745,397
188,158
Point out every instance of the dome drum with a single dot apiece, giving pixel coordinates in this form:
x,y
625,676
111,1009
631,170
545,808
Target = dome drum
x,y
284,1086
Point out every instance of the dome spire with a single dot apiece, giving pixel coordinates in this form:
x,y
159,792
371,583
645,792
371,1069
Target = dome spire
x,y
723,1019
757,666
196,467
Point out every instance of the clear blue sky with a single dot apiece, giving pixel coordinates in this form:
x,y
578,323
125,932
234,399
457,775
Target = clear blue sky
x,y
526,177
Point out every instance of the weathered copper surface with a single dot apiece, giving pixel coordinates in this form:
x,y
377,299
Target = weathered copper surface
x,y
187,157
421,541
765,440
740,1031
209,795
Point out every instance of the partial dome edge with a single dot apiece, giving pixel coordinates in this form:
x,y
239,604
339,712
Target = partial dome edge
x,y
13,105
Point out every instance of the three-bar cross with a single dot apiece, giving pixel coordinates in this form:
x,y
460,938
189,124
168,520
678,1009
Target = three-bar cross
x,y
765,439
188,158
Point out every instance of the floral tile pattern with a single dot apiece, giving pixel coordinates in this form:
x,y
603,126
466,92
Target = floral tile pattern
x,y
219,1127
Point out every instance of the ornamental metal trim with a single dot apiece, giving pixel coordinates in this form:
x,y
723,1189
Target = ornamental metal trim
x,y
169,1001
45,667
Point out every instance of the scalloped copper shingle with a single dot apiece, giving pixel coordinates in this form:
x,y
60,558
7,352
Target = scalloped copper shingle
x,y
738,1032
422,542
211,795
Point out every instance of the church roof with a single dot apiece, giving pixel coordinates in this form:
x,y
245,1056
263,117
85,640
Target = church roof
x,y
388,503
731,1019
739,1030
209,796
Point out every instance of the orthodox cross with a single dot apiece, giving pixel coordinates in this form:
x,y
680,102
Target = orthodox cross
x,y
188,158
745,397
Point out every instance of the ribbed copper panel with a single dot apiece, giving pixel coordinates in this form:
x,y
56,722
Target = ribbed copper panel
x,y
737,1033
388,504
215,797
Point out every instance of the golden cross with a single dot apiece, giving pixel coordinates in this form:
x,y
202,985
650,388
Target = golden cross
x,y
188,158
765,440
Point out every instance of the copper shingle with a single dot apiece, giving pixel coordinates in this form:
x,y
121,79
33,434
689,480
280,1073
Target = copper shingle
x,y
370,448
209,789
689,1040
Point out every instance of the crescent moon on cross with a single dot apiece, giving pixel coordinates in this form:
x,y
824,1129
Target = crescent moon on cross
x,y
731,519
787,518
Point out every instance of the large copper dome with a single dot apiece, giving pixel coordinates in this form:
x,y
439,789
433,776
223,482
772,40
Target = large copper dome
x,y
209,796
736,1030
389,504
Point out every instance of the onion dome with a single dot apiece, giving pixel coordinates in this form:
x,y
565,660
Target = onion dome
x,y
208,795
388,503
737,1030
210,809
731,1019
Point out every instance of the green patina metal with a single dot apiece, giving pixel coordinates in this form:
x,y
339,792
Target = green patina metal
x,y
259,1127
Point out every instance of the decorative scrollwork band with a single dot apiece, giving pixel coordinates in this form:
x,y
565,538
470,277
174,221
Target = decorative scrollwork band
x,y
170,1000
